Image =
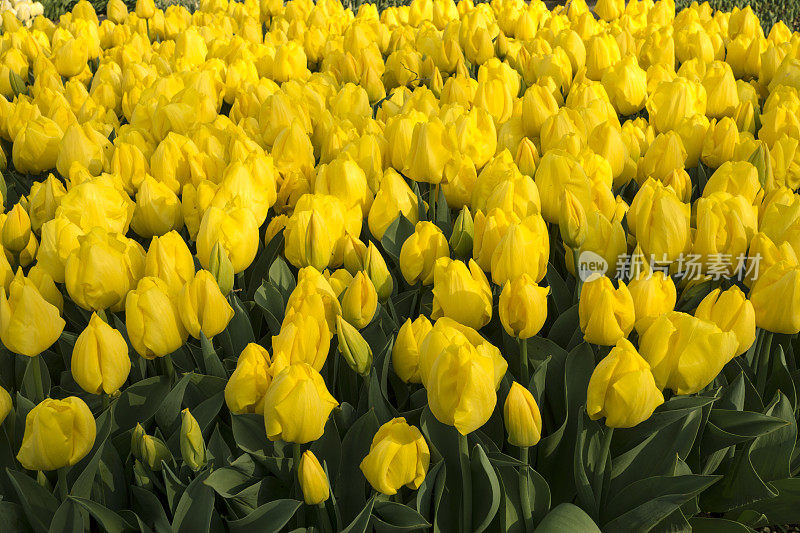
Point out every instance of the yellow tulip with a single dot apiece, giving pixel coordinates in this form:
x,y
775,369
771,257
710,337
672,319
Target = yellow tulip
x,y
397,456
153,320
522,417
360,301
248,384
775,296
202,307
169,258
406,348
607,314
100,361
420,252
29,324
461,292
313,480
235,230
730,310
523,307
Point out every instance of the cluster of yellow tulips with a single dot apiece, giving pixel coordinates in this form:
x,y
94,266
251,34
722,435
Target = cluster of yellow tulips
x,y
424,248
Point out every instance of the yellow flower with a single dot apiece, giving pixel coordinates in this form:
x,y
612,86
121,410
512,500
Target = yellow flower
x,y
522,417
775,295
16,229
169,258
730,310
304,338
152,319
313,480
397,456
70,59
720,142
653,294
606,313
202,307
5,404
523,249
626,85
29,324
248,384
360,301
431,146
237,232
59,239
158,209
420,252
297,405
43,201
36,146
58,433
193,448
572,221
406,348
393,197
622,388
100,361
523,307
660,222
353,347
84,146
461,292
378,272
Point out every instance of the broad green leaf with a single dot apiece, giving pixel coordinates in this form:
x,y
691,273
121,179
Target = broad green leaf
x,y
37,502
269,518
485,490
194,510
567,517
397,517
361,522
108,520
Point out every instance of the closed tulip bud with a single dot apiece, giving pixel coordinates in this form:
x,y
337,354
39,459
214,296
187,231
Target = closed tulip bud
x,y
339,280
720,142
720,85
524,249
626,85
463,230
622,388
103,269
248,384
158,209
116,11
100,361
304,338
775,296
523,307
236,230
145,9
730,310
686,353
527,157
70,59
607,314
43,201
297,405
353,253
393,197
660,222
151,450
420,252
86,147
36,146
58,433
169,258
221,268
461,292
431,146
538,104
353,347
406,349
559,171
522,417
193,448
360,301
59,239
378,272
308,239
5,404
674,101
653,294
397,456
16,229
313,480
572,221
29,324
152,319
202,306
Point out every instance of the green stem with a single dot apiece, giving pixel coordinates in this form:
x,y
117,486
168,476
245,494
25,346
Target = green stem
x,y
37,378
105,399
466,482
599,474
576,253
323,519
433,195
62,483
524,495
169,369
523,362
763,362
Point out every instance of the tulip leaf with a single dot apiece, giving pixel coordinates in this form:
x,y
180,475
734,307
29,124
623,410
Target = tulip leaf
x,y
564,327
442,216
194,509
29,379
270,517
567,517
67,519
148,508
425,492
249,432
587,456
644,503
37,502
168,415
771,454
281,277
396,517
717,525
350,484
218,449
782,508
240,329
559,290
269,299
138,403
108,520
361,522
781,378
395,235
728,427
485,490
260,267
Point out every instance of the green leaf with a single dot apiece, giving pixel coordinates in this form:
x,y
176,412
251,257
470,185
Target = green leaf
x,y
13,517
393,516
361,522
425,492
396,234
485,490
781,508
741,485
149,509
280,275
67,519
240,329
37,502
771,454
211,361
269,518
564,327
567,517
269,299
562,295
194,510
249,432
644,503
717,525
138,403
110,521
168,415
350,484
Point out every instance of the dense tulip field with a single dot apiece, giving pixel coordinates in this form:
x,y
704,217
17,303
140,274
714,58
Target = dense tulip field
x,y
435,267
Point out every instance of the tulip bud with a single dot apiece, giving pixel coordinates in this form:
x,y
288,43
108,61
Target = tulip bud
x,y
5,404
149,449
606,313
730,310
193,448
420,252
360,301
221,268
522,417
523,307
572,221
463,230
406,349
353,347
378,272
313,480
100,361
202,307
16,229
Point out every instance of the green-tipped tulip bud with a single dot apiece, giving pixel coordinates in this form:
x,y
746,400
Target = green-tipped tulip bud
x,y
463,230
761,160
193,448
572,221
353,347
221,268
148,449
378,272
17,84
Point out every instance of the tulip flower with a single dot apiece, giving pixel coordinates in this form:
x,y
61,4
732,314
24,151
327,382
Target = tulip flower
x,y
248,384
353,347
235,230
193,448
378,272
58,433
360,301
169,258
100,361
149,449
16,229
607,314
397,456
522,418
420,251
29,324
313,480
406,348
730,310
775,296
523,307
153,320
461,292
5,404
304,338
